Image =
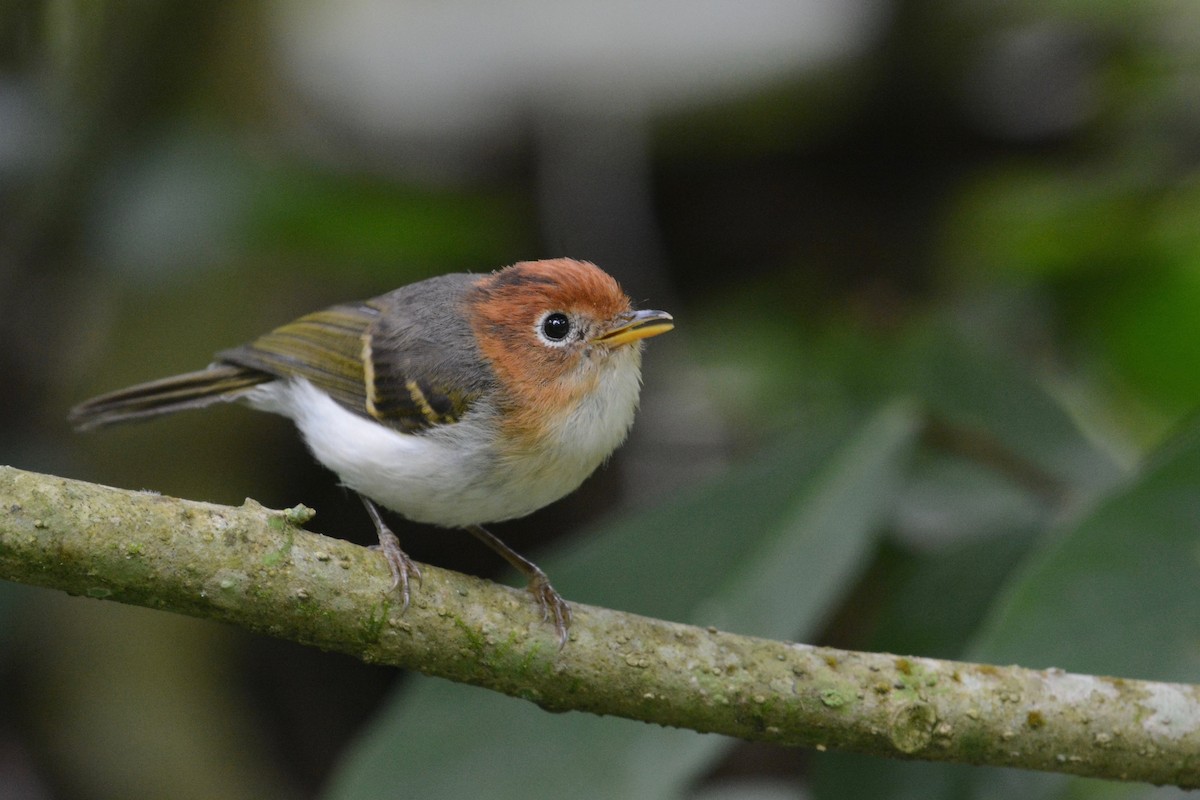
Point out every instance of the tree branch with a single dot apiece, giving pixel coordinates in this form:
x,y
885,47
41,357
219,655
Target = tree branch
x,y
256,568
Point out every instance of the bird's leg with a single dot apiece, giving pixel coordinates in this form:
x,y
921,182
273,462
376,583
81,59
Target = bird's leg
x,y
553,606
398,562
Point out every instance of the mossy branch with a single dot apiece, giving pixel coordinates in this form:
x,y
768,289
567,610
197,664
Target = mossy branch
x,y
256,568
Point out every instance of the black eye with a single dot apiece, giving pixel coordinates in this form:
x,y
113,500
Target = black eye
x,y
556,326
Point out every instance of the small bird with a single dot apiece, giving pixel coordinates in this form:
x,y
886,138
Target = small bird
x,y
457,401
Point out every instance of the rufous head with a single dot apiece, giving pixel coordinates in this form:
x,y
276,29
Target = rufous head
x,y
553,329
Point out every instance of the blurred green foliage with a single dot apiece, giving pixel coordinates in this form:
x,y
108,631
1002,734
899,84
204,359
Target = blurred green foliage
x,y
930,390
374,224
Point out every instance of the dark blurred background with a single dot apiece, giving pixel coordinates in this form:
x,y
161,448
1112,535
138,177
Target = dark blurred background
x,y
988,209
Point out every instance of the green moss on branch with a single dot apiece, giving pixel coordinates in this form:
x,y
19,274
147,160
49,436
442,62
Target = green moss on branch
x,y
254,567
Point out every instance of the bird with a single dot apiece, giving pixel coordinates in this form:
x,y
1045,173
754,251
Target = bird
x,y
459,400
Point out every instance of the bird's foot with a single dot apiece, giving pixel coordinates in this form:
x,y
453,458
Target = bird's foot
x,y
403,568
554,609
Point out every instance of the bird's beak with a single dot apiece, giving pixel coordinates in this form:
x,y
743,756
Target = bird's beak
x,y
634,326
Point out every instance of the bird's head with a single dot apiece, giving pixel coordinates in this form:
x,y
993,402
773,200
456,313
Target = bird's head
x,y
557,331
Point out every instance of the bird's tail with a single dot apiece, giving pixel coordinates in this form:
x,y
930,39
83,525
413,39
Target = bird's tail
x,y
220,382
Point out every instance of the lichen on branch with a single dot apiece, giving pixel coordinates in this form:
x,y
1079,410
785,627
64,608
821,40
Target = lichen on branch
x,y
257,568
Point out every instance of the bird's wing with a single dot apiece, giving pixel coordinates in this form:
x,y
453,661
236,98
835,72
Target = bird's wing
x,y
422,364
398,358
324,347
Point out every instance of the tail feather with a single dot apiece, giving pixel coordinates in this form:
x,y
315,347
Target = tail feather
x,y
220,382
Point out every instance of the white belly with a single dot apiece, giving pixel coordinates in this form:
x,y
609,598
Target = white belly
x,y
452,475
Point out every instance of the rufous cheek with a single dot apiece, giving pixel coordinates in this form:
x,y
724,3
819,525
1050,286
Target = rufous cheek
x,y
537,385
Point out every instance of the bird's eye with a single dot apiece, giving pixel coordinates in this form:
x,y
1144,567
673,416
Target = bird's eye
x,y
556,326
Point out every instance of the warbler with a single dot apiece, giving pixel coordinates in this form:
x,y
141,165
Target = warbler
x,y
457,401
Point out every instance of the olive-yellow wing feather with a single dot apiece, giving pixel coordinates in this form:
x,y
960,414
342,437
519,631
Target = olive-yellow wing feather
x,y
406,359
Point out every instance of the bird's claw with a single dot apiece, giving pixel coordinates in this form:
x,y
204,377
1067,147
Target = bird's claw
x,y
554,608
398,562
402,567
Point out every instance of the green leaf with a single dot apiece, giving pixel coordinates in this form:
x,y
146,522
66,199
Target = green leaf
x,y
790,582
1010,419
986,493
918,619
768,550
1116,592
